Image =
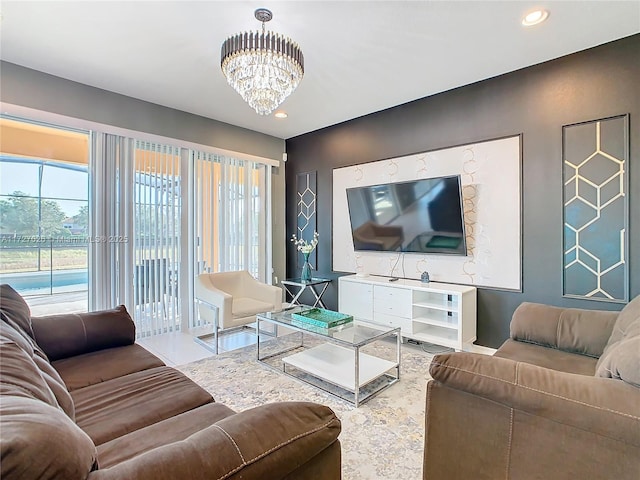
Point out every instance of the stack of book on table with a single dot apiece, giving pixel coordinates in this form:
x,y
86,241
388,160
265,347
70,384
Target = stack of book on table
x,y
319,319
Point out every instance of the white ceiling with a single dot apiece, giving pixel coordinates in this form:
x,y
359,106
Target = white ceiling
x,y
360,57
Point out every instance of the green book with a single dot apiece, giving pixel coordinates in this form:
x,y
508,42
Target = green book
x,y
322,318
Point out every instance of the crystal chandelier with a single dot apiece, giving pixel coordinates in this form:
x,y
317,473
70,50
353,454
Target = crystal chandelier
x,y
264,68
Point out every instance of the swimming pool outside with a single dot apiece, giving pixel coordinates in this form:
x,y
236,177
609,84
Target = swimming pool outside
x,y
48,281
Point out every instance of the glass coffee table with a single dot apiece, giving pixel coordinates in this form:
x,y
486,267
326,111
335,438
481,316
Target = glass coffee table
x,y
329,359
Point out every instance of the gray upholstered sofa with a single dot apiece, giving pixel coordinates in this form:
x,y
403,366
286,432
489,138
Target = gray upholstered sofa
x,y
80,400
559,400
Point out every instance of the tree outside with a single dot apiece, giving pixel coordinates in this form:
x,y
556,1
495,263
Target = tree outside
x,y
19,215
25,247
82,218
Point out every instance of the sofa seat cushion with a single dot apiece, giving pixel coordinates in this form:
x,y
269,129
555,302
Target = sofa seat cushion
x,y
245,307
162,433
547,357
110,409
102,365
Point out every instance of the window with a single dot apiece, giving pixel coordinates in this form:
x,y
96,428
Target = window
x,y
127,221
44,215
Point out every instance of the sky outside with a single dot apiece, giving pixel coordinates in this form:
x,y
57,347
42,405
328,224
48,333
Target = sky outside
x,y
69,188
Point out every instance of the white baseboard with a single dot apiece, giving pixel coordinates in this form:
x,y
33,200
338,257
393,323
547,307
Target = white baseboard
x,y
480,349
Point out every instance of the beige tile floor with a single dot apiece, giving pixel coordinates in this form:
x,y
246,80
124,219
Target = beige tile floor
x,y
180,348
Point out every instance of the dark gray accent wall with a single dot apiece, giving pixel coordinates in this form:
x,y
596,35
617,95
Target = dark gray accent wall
x,y
535,102
41,91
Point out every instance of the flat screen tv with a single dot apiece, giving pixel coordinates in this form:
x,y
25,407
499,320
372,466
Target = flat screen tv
x,y
419,216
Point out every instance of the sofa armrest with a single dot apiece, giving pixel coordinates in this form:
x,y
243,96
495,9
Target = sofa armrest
x,y
608,407
69,334
570,329
270,441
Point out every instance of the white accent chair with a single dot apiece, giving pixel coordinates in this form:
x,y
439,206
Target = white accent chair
x,y
232,299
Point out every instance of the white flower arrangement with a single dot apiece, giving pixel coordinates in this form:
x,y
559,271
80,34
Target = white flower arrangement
x,y
303,246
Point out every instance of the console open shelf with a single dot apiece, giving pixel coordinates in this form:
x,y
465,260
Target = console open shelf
x,y
439,313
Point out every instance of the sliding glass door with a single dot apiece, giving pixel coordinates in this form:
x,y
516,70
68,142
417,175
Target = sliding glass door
x,y
130,221
157,239
232,221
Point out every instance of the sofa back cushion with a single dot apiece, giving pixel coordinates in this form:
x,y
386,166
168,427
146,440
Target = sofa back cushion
x,y
14,310
16,334
569,329
39,441
71,334
621,356
20,376
26,372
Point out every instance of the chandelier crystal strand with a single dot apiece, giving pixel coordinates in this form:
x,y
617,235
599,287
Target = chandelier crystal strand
x,y
264,68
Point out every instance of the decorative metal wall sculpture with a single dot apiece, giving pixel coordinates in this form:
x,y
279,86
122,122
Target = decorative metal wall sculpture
x,y
595,155
306,212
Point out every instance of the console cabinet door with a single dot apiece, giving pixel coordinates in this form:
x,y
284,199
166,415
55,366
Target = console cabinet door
x,y
356,299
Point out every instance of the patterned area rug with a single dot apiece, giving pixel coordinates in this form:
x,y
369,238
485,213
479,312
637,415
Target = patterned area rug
x,y
382,439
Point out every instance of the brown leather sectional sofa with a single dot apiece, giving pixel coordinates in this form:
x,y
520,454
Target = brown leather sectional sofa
x,y
559,400
80,400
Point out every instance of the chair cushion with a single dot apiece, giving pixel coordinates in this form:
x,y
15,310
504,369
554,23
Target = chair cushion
x,y
244,307
621,357
110,409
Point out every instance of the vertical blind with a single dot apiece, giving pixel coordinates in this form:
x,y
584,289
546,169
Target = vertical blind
x,y
157,238
168,214
232,220
110,225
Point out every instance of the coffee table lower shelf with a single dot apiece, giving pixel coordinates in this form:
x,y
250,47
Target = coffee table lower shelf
x,y
336,365
329,359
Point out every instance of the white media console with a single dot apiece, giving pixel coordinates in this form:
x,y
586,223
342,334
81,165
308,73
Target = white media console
x,y
439,313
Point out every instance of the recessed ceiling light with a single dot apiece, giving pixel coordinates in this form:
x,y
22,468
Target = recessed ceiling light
x,y
280,115
535,17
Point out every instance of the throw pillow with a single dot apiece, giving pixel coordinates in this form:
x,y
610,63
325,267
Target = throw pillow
x,y
621,357
624,362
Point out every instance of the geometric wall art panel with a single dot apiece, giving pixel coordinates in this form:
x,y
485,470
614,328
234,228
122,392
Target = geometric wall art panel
x,y
595,157
490,173
306,212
